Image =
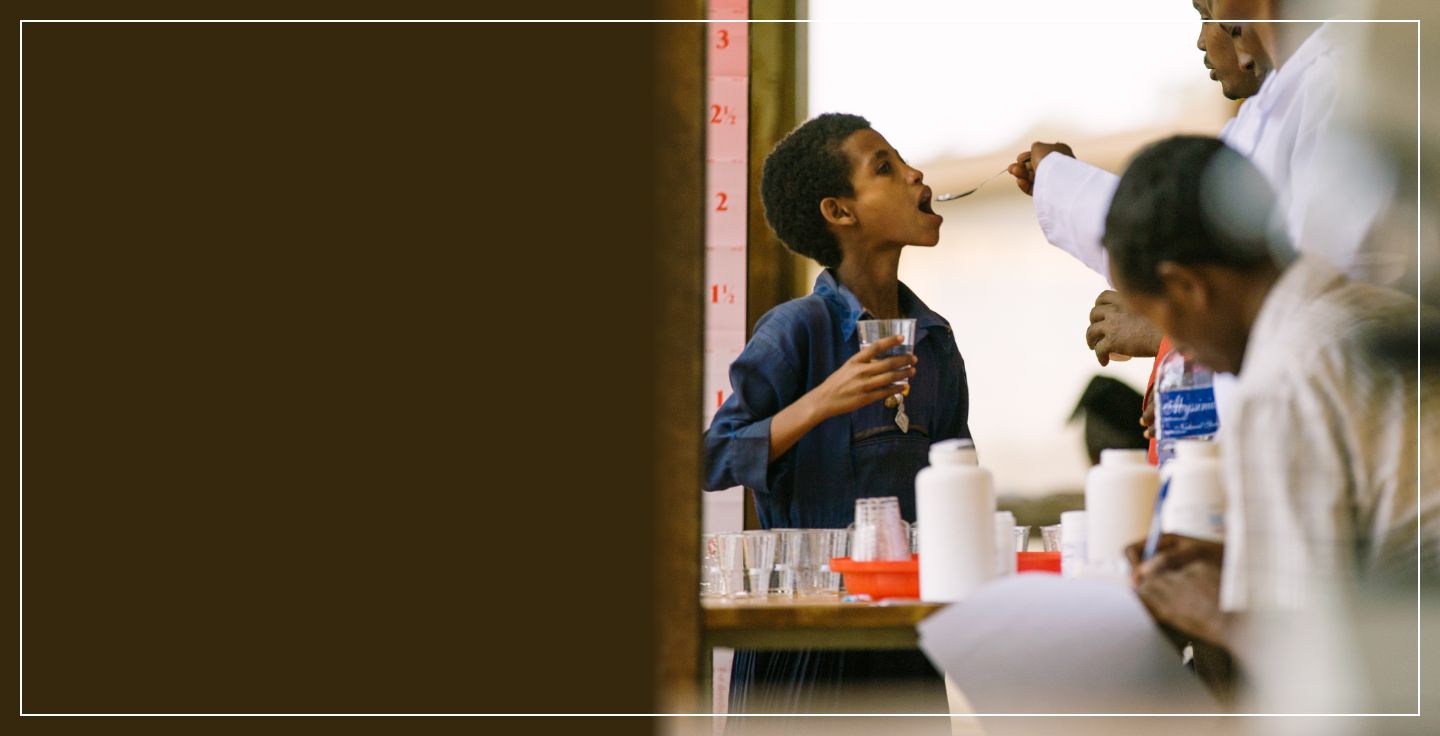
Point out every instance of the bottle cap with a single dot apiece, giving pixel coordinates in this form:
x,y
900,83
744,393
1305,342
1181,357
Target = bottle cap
x,y
1073,528
1110,458
1196,450
953,452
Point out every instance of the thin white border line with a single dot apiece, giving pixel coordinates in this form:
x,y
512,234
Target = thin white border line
x,y
848,21
751,715
1419,222
1419,384
21,276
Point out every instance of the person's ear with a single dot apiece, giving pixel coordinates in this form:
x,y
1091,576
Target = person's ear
x,y
1185,286
836,212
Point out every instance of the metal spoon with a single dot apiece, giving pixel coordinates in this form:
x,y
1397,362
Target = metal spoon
x,y
948,197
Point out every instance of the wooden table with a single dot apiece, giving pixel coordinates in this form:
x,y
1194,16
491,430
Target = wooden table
x,y
811,622
815,622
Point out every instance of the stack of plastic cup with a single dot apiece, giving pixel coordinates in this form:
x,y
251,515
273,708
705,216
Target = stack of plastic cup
x,y
1022,537
880,533
1050,537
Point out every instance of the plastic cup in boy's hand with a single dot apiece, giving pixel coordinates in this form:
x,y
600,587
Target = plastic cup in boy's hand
x,y
873,331
862,380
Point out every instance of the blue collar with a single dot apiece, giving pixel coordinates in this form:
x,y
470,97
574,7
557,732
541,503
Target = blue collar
x,y
848,311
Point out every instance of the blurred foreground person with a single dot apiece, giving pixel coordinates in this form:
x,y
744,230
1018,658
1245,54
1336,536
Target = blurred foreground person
x,y
1320,450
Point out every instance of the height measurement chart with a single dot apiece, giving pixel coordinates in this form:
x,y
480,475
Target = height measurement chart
x,y
727,184
727,108
727,187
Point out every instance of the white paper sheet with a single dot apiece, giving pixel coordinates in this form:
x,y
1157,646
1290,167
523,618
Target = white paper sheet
x,y
1036,643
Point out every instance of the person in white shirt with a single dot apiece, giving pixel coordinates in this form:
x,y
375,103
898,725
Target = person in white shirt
x,y
1330,194
1319,453
1290,129
1071,196
1330,189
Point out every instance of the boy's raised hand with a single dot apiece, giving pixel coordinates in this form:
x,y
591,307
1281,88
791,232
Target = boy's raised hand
x,y
863,380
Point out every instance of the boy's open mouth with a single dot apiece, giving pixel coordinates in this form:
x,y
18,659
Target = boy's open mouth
x,y
925,201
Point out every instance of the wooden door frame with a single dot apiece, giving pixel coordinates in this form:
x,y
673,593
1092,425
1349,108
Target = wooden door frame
x,y
774,273
773,276
679,295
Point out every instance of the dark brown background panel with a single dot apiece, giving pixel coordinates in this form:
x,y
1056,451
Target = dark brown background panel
x,y
338,368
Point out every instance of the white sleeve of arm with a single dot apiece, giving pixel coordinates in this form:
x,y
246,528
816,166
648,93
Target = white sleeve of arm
x,y
1341,187
1071,201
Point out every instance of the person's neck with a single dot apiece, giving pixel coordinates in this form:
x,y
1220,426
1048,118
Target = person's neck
x,y
1249,300
872,275
1286,39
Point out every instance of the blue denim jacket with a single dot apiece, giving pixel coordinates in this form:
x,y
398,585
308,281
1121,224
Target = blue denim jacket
x,y
795,347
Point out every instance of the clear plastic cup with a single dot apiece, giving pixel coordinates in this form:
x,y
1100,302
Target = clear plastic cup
x,y
812,565
1022,537
787,556
874,330
710,565
1050,537
731,564
839,547
759,553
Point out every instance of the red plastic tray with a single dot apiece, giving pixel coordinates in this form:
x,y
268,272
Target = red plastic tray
x,y
880,580
1037,562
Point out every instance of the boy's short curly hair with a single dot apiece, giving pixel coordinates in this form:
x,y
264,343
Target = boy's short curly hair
x,y
806,167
